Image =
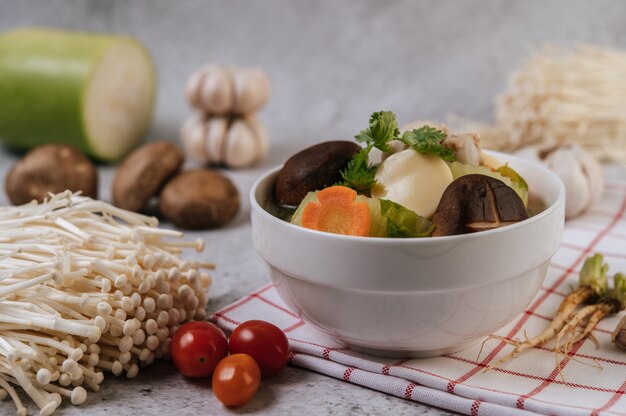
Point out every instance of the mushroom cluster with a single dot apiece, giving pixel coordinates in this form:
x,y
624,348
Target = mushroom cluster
x,y
193,199
226,130
87,287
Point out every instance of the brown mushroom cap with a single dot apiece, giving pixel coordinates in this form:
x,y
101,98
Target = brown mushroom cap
x,y
199,198
476,203
51,168
312,169
143,173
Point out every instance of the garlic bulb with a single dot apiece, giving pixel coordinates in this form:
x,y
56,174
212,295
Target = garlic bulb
x,y
236,143
581,174
221,90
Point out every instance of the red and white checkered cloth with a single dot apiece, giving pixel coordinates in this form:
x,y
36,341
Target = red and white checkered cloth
x,y
593,380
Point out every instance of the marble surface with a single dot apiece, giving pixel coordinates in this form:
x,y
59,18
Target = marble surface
x,y
331,64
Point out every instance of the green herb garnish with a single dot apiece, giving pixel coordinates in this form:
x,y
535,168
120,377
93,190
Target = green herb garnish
x,y
359,173
383,128
428,140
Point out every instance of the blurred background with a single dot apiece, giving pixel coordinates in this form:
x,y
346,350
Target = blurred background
x,y
332,63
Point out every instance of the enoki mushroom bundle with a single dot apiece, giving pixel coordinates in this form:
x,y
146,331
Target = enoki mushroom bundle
x,y
558,97
86,287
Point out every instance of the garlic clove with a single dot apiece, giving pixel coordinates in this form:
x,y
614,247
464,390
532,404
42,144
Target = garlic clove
x,y
241,149
580,172
215,138
192,88
216,93
592,171
192,136
252,90
413,180
577,193
261,136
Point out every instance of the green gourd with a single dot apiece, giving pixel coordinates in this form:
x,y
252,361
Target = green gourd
x,y
92,91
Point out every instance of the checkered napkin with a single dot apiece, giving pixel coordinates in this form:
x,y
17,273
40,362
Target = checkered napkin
x,y
589,381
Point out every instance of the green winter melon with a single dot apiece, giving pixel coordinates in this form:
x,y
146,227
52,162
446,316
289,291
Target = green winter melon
x,y
93,91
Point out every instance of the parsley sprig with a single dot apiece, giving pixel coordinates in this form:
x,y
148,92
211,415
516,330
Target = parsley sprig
x,y
359,174
428,140
383,128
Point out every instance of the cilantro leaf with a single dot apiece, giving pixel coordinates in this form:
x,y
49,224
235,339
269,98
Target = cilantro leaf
x,y
382,129
427,140
359,173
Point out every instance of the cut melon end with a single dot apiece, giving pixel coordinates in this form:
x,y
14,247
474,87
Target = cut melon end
x,y
118,100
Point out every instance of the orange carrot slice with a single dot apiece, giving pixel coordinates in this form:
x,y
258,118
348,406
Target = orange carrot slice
x,y
338,212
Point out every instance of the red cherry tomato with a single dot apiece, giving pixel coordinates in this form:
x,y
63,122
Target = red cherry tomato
x,y
236,379
264,342
197,347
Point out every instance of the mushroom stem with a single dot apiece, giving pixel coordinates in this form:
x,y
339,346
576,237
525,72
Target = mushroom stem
x,y
21,410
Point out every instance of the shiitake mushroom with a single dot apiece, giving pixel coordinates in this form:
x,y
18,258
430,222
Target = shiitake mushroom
x,y
312,169
477,203
143,173
198,199
51,168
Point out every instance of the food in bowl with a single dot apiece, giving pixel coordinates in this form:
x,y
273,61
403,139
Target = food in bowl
x,y
431,182
411,296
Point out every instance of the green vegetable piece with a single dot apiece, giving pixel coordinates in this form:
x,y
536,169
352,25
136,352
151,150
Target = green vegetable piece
x,y
383,128
378,225
593,274
619,289
403,223
88,90
428,140
515,177
296,218
359,174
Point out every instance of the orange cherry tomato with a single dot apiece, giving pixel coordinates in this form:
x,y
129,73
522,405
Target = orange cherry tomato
x,y
236,379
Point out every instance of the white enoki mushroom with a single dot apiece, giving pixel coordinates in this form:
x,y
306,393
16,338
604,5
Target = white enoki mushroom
x,y
562,96
86,287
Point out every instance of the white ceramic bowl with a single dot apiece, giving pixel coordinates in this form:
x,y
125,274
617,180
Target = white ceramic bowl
x,y
411,297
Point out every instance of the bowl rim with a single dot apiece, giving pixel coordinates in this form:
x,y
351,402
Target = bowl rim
x,y
560,198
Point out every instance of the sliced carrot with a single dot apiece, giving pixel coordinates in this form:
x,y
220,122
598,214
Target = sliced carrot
x,y
338,212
